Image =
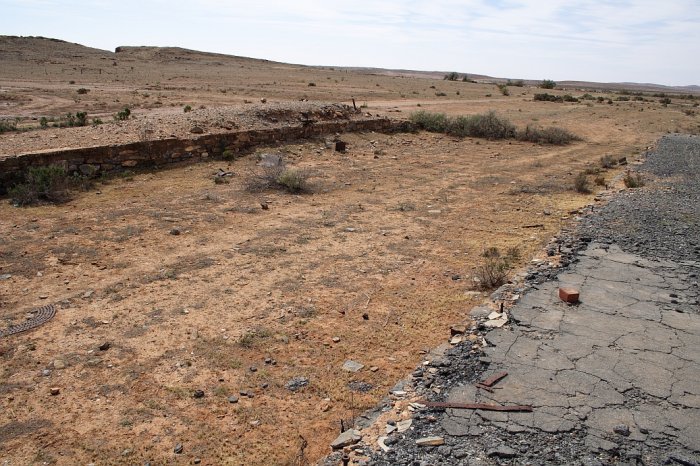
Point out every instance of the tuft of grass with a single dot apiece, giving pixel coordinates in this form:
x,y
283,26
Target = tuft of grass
x,y
279,177
608,161
492,273
551,135
633,180
581,184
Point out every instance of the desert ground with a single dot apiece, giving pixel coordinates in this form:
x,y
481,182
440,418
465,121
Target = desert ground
x,y
168,284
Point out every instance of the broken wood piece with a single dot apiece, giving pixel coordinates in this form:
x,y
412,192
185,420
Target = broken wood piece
x,y
536,225
482,406
483,387
494,379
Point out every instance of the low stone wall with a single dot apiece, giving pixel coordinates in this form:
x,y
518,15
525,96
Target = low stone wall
x,y
158,153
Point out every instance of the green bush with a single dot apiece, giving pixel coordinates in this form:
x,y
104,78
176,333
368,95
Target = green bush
x,y
50,184
294,181
83,90
517,83
548,98
187,108
548,84
123,115
569,98
44,122
434,122
504,89
550,135
487,125
453,76
6,126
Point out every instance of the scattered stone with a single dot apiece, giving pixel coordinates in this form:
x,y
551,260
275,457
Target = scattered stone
x,y
430,441
480,312
175,231
233,399
459,329
403,426
5,276
347,438
178,449
622,429
502,452
46,372
198,394
336,339
105,346
197,130
253,369
382,445
55,391
296,383
352,366
88,294
59,364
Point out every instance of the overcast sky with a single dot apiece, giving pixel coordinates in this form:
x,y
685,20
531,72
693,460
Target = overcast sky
x,y
594,40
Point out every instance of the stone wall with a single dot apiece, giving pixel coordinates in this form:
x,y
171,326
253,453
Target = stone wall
x,y
159,153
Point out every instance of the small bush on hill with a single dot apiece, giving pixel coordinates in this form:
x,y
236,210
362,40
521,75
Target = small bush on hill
x,y
607,161
434,122
548,84
453,76
548,98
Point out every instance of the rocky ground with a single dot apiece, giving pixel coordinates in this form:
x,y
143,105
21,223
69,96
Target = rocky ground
x,y
611,380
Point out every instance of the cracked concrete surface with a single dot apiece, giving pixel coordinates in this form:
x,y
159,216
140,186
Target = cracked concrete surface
x,y
623,365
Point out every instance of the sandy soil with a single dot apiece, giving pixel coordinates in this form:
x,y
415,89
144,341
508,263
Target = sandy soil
x,y
393,231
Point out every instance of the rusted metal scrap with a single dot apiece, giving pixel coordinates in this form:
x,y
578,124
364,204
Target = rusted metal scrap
x,y
482,406
493,380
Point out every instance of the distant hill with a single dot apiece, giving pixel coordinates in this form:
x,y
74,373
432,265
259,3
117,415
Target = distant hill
x,y
17,50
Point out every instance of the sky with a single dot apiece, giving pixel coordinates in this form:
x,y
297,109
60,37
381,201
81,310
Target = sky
x,y
646,41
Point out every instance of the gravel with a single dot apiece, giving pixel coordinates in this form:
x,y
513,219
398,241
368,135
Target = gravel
x,y
658,221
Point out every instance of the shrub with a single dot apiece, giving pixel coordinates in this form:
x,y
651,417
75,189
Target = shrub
x,y
548,98
434,122
80,118
123,115
493,272
548,84
517,83
504,89
50,184
6,126
96,121
487,125
633,181
278,177
623,98
569,98
440,94
581,184
665,101
228,155
83,90
294,181
453,76
607,161
599,180
44,122
550,135
187,108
